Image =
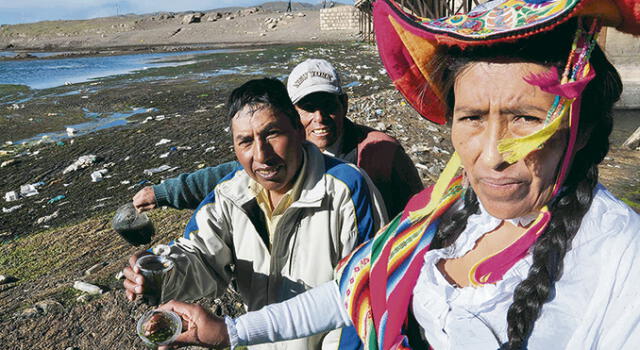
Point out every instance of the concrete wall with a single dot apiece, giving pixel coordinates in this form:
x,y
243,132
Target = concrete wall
x,y
621,44
339,18
624,52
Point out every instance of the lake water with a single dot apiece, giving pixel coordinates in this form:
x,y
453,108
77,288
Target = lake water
x,y
98,122
47,73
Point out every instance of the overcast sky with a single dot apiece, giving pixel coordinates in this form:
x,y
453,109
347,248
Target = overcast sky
x,y
25,11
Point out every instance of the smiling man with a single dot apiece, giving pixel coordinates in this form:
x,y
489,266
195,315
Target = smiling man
x,y
280,222
316,90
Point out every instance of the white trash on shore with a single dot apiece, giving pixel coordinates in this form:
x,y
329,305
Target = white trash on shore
x,y
81,162
87,287
162,142
11,196
47,218
11,209
28,190
159,169
97,176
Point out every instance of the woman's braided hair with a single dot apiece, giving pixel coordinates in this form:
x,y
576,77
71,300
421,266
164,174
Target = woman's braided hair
x,y
569,207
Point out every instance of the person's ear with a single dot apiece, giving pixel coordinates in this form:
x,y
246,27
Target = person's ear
x,y
344,99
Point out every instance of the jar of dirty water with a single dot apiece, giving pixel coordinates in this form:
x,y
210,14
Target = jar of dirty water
x,y
136,228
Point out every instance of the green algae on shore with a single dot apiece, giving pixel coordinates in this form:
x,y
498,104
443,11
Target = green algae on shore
x,y
9,91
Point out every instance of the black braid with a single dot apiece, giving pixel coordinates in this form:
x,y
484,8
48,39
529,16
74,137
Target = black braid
x,y
548,254
570,207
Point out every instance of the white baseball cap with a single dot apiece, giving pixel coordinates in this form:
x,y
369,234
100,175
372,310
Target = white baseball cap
x,y
313,75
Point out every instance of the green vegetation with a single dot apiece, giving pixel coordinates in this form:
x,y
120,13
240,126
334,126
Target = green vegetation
x,y
33,257
632,199
10,89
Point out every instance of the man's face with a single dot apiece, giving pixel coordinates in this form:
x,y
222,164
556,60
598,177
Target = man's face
x,y
322,115
268,146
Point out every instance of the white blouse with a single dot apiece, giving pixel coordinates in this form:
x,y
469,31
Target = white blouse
x,y
594,305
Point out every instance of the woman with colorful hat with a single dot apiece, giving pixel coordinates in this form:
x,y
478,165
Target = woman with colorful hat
x,y
516,246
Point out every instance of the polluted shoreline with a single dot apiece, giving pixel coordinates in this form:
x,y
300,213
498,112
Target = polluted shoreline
x,y
171,120
145,126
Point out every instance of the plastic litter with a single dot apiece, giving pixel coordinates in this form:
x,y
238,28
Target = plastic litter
x,y
162,142
87,287
82,162
56,199
28,190
11,209
164,155
96,176
212,148
7,162
71,131
11,196
160,117
47,218
159,169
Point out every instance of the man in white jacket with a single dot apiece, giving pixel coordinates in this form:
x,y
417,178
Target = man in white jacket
x,y
277,225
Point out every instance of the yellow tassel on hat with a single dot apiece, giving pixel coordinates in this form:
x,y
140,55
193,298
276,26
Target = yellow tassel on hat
x,y
514,149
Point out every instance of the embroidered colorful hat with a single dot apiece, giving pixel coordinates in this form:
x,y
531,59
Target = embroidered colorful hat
x,y
407,43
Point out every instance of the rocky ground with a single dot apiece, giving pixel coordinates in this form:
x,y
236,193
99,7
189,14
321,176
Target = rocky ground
x,y
49,242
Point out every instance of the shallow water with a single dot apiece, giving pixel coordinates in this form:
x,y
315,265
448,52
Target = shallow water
x,y
36,54
42,74
100,122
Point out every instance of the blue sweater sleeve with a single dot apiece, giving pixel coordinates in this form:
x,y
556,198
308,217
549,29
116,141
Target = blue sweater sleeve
x,y
186,191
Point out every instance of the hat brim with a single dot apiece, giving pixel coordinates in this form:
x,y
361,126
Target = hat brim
x,y
407,43
302,93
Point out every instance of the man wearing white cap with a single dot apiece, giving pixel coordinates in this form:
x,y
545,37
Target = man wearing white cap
x,y
316,90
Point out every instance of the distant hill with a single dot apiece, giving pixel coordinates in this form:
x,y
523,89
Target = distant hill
x,y
282,5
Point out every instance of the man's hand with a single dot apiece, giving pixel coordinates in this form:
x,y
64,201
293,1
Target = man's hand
x,y
134,281
200,327
145,199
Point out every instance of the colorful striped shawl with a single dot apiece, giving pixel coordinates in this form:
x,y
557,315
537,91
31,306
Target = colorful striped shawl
x,y
377,279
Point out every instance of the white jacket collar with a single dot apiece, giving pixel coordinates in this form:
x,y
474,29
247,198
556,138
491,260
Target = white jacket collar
x,y
313,190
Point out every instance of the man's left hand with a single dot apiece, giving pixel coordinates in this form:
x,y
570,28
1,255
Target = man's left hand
x,y
200,327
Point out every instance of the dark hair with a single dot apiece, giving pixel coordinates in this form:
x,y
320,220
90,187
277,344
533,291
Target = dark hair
x,y
263,92
549,49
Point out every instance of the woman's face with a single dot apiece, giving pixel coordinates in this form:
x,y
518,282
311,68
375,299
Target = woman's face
x,y
493,102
